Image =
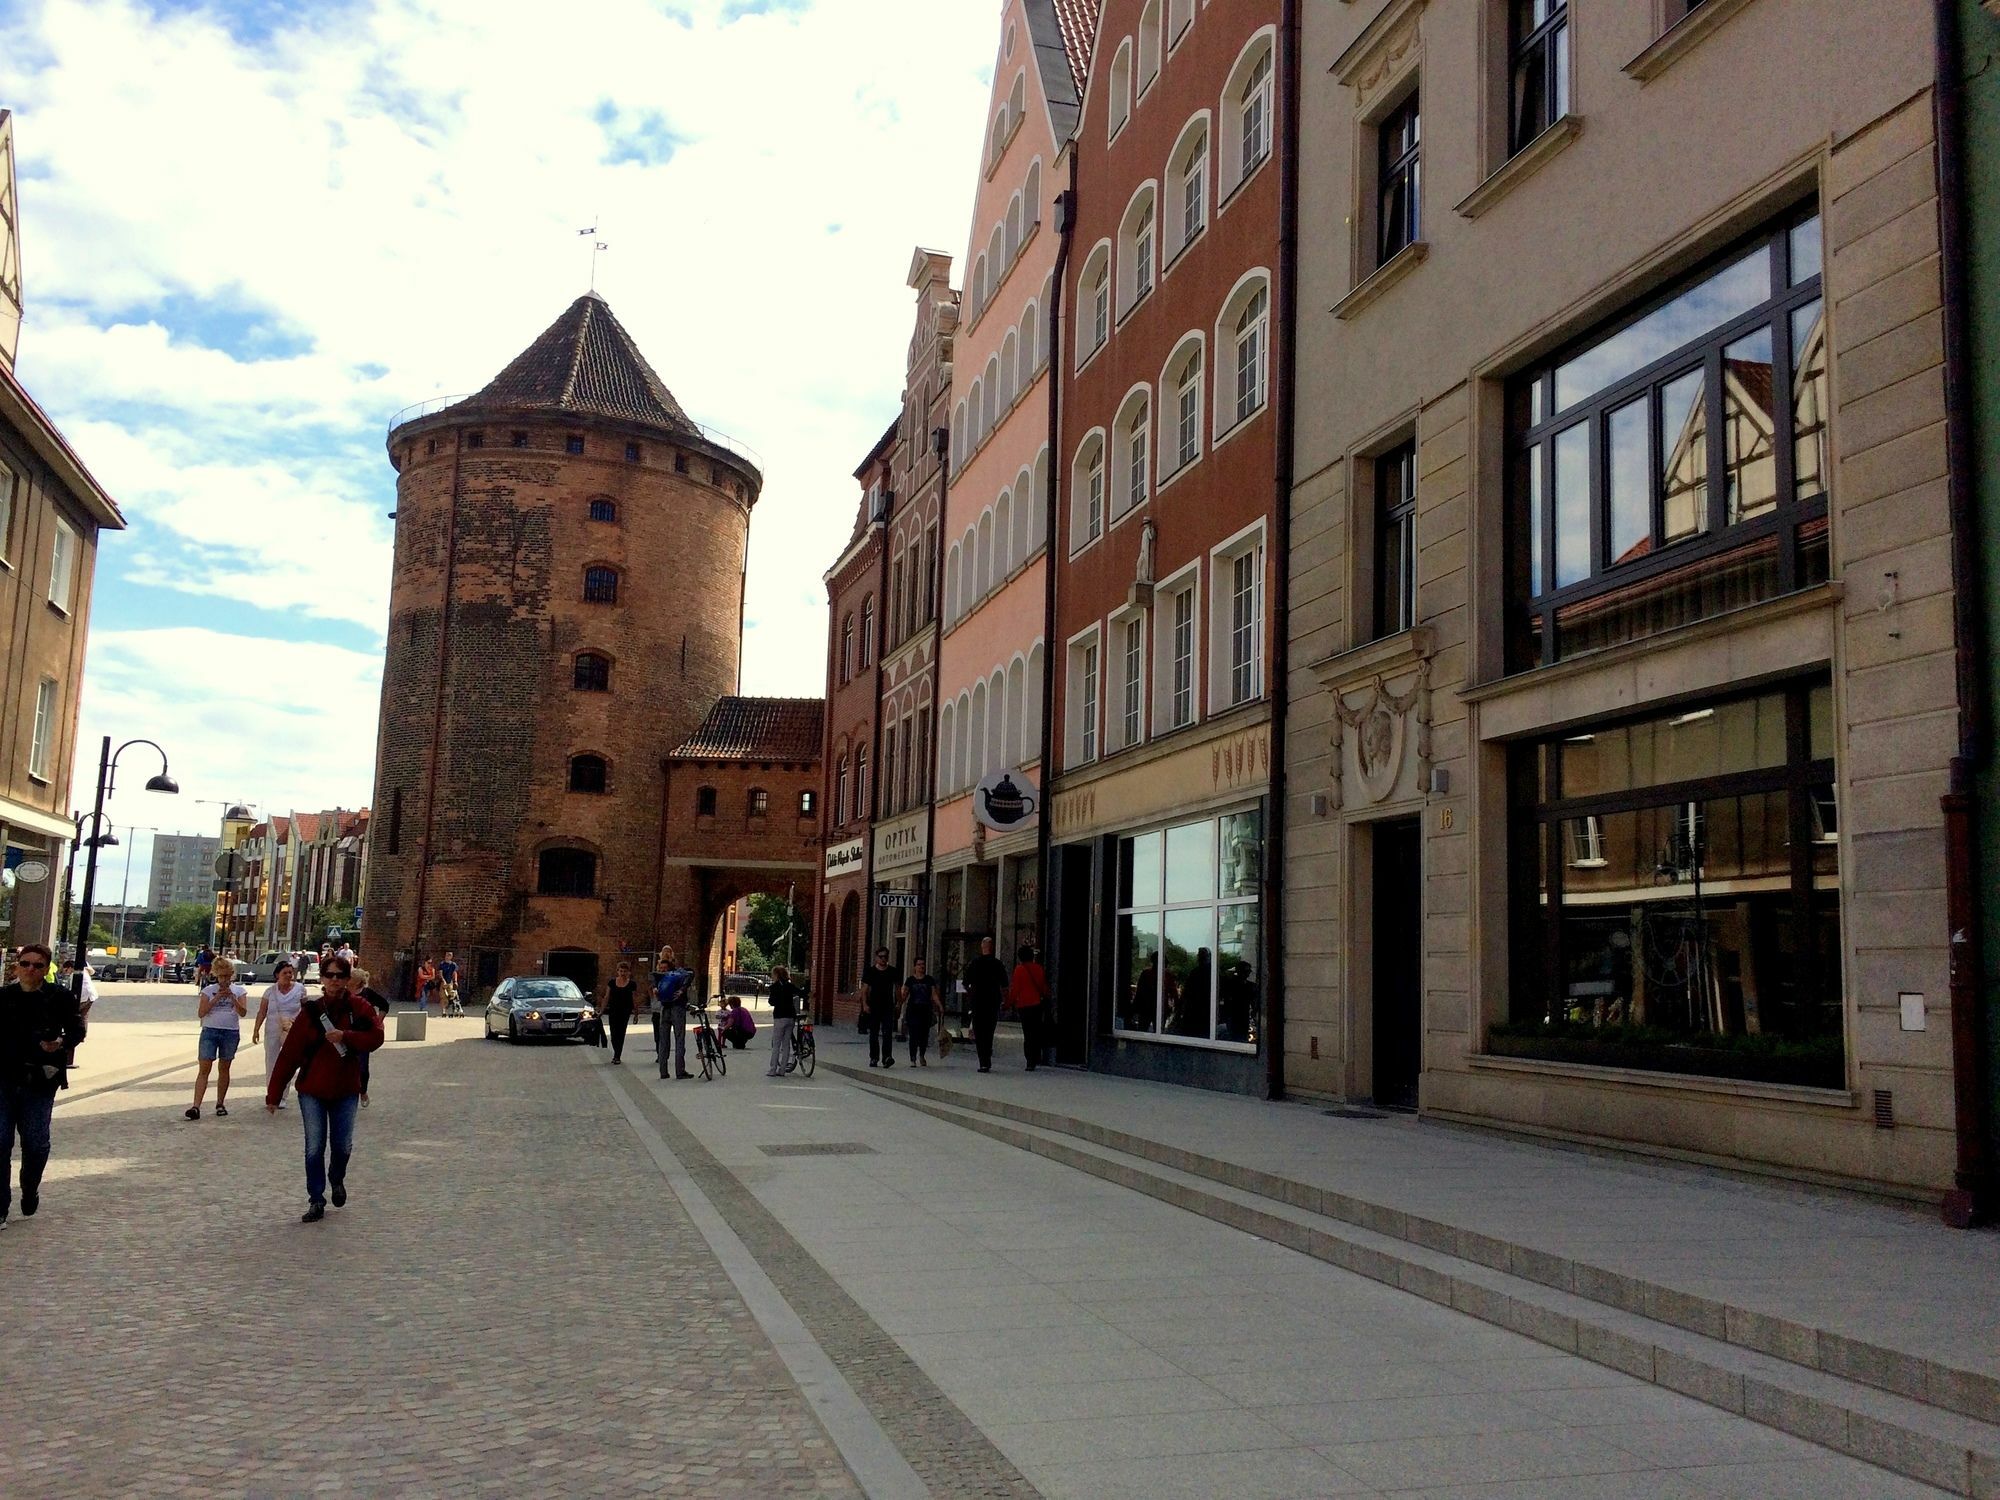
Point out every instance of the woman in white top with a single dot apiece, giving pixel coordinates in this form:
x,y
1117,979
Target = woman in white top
x,y
221,1009
278,1009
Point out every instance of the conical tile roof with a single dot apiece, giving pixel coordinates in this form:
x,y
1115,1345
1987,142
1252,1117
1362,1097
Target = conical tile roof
x,y
586,363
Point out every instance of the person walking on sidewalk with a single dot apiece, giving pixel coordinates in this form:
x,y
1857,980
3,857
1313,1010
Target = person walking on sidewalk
x,y
986,978
221,1008
881,984
920,1013
39,1027
156,970
619,1003
1027,992
670,1012
325,1050
277,1010
204,962
784,1016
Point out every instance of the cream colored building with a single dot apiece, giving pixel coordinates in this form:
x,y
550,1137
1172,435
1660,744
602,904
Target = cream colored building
x,y
1620,637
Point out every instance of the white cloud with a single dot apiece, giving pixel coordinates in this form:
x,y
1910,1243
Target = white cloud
x,y
397,187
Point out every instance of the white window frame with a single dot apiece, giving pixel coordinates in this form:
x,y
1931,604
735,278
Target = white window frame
x,y
1188,175
1125,697
43,735
10,484
1230,344
1166,650
1089,475
1185,373
64,552
1119,80
1180,17
1081,737
1093,300
1238,98
1152,46
1132,463
1138,248
1226,631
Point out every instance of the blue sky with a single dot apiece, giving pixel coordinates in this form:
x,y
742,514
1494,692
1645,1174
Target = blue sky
x,y
253,231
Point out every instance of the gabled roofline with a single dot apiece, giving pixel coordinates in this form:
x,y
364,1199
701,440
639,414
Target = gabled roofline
x,y
26,416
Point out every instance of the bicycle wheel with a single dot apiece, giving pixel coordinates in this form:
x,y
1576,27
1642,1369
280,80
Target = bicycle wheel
x,y
721,1053
705,1051
806,1056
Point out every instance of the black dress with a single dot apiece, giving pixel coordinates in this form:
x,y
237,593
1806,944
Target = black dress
x,y
618,1005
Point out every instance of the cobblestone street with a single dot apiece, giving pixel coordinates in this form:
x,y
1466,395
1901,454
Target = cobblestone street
x,y
512,1302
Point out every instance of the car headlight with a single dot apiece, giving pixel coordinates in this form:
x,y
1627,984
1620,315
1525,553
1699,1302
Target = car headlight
x,y
534,1015
588,1013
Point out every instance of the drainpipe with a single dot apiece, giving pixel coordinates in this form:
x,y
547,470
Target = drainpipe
x,y
437,696
1972,1197
1044,828
1284,360
940,449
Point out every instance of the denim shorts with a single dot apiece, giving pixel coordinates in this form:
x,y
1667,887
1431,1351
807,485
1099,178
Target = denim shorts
x,y
220,1042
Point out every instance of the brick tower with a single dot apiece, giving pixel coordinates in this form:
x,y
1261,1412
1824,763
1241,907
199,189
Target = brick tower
x,y
566,608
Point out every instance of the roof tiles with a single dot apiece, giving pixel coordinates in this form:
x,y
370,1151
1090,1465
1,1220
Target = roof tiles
x,y
587,364
760,729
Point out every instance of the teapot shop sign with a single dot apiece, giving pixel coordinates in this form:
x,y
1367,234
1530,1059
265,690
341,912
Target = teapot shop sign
x,y
1005,800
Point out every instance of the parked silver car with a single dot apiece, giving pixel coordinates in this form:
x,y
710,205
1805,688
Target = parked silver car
x,y
536,1005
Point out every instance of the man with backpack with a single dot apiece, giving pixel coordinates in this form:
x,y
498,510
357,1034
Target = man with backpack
x,y
325,1048
671,992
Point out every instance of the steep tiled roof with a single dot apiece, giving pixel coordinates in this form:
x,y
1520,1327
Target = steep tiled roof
x,y
307,825
773,729
1078,19
585,362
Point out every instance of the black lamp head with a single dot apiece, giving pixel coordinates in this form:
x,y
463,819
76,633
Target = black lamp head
x,y
163,783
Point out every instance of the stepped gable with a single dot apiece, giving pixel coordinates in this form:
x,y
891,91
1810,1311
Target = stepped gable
x,y
587,364
779,730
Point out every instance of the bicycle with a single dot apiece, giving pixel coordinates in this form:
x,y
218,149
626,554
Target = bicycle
x,y
804,1051
707,1044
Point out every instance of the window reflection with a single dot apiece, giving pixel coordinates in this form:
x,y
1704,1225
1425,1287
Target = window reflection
x,y
1749,423
1187,931
1702,308
1684,426
1809,436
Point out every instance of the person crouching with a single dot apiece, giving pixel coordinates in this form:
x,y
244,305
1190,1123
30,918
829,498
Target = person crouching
x,y
325,1048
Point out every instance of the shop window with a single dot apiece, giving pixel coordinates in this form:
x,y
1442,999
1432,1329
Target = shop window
x,y
566,872
1538,68
587,773
1675,466
1186,945
1677,893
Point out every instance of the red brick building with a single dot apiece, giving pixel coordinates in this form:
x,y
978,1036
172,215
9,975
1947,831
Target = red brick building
x,y
566,607
851,745
1165,555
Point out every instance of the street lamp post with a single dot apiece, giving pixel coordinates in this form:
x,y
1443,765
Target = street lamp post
x,y
125,888
107,770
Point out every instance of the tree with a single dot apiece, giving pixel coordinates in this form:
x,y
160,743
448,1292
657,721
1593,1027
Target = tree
x,y
100,935
325,918
183,922
750,957
769,917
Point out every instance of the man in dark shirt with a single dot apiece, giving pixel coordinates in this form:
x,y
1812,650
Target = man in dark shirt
x,y
880,984
39,1027
986,980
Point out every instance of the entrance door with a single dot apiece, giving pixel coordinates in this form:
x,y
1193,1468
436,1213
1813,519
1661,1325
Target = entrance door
x,y
577,965
1398,962
1071,976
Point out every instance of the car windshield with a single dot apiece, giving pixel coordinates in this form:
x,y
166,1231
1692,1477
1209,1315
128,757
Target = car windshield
x,y
545,989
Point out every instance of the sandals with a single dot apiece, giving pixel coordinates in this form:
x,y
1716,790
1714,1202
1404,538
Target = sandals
x,y
221,1110
193,1112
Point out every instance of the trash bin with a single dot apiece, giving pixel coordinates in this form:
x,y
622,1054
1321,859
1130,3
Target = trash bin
x,y
411,1025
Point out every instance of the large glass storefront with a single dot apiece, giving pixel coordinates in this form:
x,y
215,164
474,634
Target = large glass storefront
x,y
1186,944
1676,885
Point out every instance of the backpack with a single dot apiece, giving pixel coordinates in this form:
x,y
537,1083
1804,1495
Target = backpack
x,y
669,987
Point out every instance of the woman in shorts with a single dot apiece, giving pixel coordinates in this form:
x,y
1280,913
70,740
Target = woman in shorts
x,y
221,1009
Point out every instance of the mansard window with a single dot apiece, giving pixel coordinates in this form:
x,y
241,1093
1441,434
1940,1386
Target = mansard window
x,y
602,509
1673,465
704,801
593,672
1676,892
1539,59
566,872
587,773
600,585
1398,180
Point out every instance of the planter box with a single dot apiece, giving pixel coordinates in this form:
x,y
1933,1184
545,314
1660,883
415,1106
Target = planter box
x,y
411,1025
1807,1070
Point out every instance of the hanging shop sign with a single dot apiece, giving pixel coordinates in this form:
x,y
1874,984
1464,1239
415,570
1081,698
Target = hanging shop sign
x,y
1004,800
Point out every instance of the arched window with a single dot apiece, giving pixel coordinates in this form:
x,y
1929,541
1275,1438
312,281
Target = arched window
x,y
951,600
587,773
1180,407
1138,245
1031,195
1093,327
1027,714
975,431
1131,453
948,746
600,585
983,549
847,649
1086,522
1010,369
1150,45
1030,333
1026,538
1180,16
1246,112
1017,101
1121,86
976,287
959,447
1016,230
840,790
593,672
868,631
1249,353
602,509
704,801
861,804
566,872
1187,184
1003,536
991,410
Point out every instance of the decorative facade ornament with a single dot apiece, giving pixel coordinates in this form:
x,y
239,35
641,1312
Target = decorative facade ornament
x,y
1381,724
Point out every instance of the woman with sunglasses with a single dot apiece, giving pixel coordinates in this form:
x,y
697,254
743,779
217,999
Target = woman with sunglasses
x,y
325,1048
39,1028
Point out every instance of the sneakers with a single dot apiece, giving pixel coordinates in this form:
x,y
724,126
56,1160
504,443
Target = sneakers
x,y
340,1195
314,1214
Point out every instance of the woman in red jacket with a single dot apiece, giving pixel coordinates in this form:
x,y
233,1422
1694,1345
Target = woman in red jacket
x,y
324,1048
1028,992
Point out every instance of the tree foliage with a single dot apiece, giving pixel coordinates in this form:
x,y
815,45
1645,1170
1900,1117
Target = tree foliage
x,y
769,917
182,922
750,957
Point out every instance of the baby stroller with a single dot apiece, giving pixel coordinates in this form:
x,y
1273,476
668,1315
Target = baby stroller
x,y
452,1007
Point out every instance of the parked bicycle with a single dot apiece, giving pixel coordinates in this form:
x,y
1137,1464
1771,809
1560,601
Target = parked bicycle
x,y
707,1041
804,1052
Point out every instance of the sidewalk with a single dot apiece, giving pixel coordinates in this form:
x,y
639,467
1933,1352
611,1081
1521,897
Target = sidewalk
x,y
1765,1265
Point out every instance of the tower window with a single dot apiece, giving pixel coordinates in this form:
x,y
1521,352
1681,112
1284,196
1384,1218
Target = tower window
x,y
573,443
587,773
704,802
566,872
518,439
680,463
808,803
604,510
593,672
600,585
760,802
475,440
631,453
